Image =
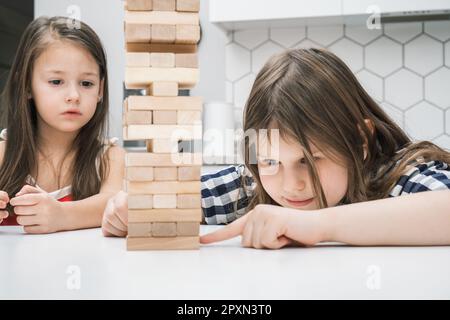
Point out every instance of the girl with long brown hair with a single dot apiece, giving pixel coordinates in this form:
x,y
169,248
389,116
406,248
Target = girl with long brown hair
x,y
57,167
340,164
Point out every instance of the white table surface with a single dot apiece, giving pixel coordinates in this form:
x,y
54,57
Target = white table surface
x,y
85,265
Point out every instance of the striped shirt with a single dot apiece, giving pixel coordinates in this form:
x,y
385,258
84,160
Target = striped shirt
x,y
224,199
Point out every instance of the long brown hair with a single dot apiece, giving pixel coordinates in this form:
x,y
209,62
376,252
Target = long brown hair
x,y
21,118
310,95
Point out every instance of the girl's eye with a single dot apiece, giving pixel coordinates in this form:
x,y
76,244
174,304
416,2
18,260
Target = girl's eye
x,y
55,82
303,160
269,162
86,84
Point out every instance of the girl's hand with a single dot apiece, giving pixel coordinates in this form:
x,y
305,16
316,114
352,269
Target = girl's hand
x,y
4,199
115,217
37,211
272,227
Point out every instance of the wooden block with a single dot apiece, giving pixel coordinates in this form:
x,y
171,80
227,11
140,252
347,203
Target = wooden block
x,y
189,173
142,77
187,34
138,117
140,5
162,146
138,59
180,132
161,47
164,229
163,243
164,5
139,173
162,60
188,5
135,32
163,89
163,33
140,201
162,187
186,60
165,173
164,103
164,117
164,201
125,133
189,201
139,229
144,159
189,117
186,229
162,17
164,215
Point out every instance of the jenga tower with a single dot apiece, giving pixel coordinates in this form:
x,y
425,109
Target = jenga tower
x,y
163,182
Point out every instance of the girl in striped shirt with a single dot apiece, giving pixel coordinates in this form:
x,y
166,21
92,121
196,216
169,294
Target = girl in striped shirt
x,y
323,162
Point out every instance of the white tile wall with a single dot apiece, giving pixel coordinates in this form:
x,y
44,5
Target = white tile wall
x,y
403,66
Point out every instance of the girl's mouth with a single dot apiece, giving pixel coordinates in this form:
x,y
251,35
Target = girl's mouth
x,y
299,203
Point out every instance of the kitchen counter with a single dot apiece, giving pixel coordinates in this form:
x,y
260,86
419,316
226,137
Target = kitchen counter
x,y
85,265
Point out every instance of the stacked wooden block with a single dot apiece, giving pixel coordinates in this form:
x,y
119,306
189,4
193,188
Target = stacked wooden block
x,y
163,182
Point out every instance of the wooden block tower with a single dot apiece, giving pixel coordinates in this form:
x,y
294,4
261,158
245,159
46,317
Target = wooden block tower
x,y
163,181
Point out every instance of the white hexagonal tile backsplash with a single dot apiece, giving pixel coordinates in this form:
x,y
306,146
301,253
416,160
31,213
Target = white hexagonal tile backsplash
x,y
404,66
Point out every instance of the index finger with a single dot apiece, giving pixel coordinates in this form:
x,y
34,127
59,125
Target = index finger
x,y
4,196
232,230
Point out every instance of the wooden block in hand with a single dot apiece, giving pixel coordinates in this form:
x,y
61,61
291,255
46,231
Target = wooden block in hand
x,y
188,5
186,229
163,89
139,173
164,117
139,5
140,229
189,117
164,103
162,60
189,201
135,32
164,5
165,173
186,60
164,229
138,59
140,201
164,33
138,117
164,201
163,243
187,34
189,173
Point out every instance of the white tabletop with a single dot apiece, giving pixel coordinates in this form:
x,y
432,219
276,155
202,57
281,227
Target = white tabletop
x,y
85,265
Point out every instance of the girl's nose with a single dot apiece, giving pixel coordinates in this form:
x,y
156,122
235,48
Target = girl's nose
x,y
294,181
73,96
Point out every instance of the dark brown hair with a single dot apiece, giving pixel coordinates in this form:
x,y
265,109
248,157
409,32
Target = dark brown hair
x,y
310,95
20,157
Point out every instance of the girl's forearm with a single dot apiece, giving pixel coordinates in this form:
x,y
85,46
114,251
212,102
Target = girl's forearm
x,y
417,219
86,213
